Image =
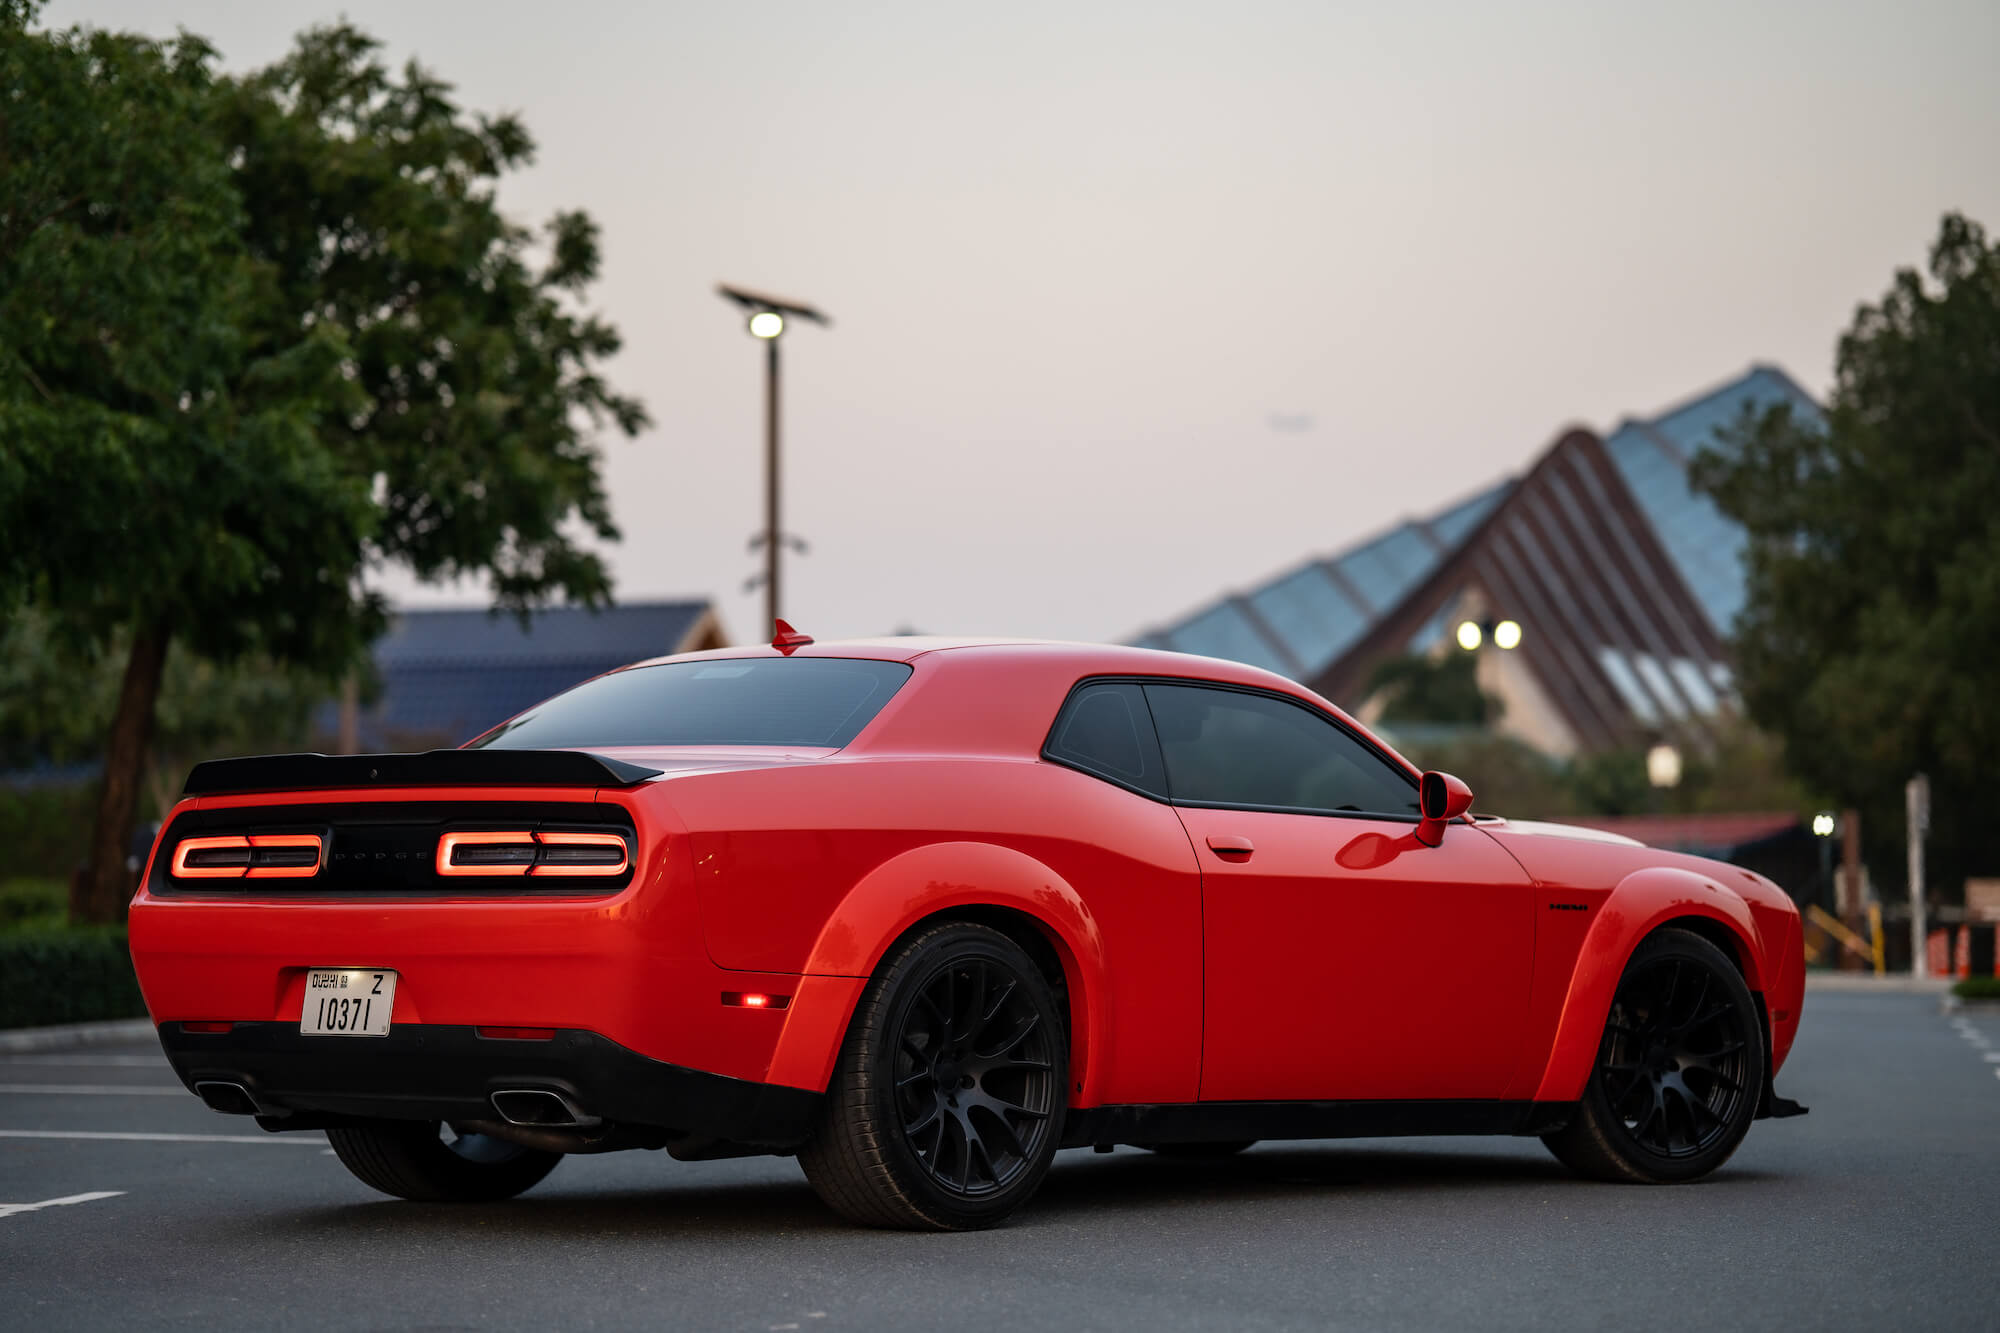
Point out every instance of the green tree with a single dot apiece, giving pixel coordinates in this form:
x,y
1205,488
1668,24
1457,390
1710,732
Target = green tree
x,y
260,339
1420,688
1870,643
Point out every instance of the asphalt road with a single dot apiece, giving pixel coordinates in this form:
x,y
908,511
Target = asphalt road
x,y
1880,1209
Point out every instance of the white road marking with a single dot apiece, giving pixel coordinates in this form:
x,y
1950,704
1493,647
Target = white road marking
x,y
91,1090
155,1138
1993,1055
9,1209
100,1061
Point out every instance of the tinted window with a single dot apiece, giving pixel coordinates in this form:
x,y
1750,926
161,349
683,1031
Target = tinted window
x,y
1225,747
819,701
1103,729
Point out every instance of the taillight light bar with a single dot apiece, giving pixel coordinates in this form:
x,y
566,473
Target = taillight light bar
x,y
248,856
539,854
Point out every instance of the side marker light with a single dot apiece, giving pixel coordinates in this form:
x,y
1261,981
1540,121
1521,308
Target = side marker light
x,y
755,1000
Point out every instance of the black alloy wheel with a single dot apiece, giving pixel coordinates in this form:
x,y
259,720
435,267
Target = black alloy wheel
x,y
1679,1070
433,1163
946,1105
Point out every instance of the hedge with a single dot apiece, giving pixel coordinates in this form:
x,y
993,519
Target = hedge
x,y
46,829
1977,988
66,975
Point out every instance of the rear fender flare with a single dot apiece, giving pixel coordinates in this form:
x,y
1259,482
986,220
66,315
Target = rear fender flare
x,y
889,901
1642,902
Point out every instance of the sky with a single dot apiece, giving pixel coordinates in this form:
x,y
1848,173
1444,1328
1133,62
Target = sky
x,y
1137,303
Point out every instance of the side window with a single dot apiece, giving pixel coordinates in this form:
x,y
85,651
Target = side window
x,y
1226,747
1104,730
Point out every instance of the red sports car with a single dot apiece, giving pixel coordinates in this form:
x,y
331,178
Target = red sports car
x,y
922,912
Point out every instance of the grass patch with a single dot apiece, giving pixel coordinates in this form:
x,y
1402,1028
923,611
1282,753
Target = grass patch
x,y
66,974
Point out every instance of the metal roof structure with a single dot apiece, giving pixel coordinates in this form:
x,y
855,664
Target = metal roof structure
x,y
448,675
1625,580
1300,622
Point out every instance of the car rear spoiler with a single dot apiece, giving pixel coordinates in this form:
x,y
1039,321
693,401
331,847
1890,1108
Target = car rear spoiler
x,y
434,768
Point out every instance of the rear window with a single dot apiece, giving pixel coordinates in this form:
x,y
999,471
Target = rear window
x,y
818,701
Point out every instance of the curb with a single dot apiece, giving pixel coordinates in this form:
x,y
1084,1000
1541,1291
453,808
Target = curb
x,y
1893,983
65,1036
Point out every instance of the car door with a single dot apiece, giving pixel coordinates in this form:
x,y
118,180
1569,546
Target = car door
x,y
1342,959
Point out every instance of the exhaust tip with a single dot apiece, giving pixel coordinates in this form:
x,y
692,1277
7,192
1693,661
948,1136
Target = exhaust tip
x,y
228,1098
540,1108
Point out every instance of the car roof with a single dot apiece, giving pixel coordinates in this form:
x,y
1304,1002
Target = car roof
x,y
1090,658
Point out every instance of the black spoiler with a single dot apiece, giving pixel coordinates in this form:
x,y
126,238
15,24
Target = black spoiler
x,y
434,768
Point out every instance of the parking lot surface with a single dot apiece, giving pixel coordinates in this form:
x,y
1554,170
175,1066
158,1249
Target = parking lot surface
x,y
126,1203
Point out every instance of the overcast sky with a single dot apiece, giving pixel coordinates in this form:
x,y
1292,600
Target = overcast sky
x,y
1079,256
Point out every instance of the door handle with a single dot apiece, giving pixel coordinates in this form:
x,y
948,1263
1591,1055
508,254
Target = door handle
x,y
1230,848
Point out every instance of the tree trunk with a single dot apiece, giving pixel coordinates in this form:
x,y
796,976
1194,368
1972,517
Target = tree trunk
x,y
107,884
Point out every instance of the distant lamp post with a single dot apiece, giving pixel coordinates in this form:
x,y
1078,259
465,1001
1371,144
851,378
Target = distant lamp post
x,y
1504,634
767,323
1824,825
1663,767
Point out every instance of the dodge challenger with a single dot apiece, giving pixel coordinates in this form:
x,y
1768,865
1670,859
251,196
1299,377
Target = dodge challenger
x,y
923,912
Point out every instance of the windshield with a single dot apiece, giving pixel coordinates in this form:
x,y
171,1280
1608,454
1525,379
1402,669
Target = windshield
x,y
816,701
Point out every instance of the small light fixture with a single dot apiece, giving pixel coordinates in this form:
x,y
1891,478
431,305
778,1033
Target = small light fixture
x,y
766,324
1823,824
1507,634
1663,766
1470,635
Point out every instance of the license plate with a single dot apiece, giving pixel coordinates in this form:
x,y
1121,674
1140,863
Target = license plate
x,y
348,1002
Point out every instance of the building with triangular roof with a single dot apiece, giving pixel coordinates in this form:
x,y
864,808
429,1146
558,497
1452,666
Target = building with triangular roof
x,y
1624,580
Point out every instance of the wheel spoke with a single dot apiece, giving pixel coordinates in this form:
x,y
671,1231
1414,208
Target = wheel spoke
x,y
975,1007
923,1122
1020,1035
991,1011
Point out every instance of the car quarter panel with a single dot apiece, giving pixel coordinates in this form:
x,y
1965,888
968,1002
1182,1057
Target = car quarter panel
x,y
819,869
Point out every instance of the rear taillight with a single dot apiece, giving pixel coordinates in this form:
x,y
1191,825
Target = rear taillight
x,y
539,854
248,856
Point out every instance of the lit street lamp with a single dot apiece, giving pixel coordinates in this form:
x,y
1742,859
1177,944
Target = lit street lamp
x,y
1505,634
767,323
1663,771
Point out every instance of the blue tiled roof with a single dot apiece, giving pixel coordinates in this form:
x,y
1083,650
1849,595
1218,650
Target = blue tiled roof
x,y
1652,457
1305,618
448,675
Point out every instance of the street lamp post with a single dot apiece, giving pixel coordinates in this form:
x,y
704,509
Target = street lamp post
x,y
1663,772
767,324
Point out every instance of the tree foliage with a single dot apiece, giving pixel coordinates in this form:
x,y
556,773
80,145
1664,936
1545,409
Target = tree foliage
x,y
261,338
1871,639
1444,689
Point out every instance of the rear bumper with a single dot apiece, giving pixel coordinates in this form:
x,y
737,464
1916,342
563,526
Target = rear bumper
x,y
442,1072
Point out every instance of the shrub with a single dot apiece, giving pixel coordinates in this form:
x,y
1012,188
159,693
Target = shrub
x,y
46,829
1977,988
32,902
66,975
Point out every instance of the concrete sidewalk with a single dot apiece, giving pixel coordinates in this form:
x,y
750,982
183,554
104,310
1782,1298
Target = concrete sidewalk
x,y
1889,983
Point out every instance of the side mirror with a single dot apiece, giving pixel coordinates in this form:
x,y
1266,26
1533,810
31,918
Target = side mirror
x,y
1442,798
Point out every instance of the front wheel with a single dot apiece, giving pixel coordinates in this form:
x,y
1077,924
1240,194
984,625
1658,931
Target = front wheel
x,y
946,1104
1678,1072
430,1163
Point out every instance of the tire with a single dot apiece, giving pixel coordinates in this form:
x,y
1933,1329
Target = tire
x,y
1678,1073
411,1159
1210,1150
946,1103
